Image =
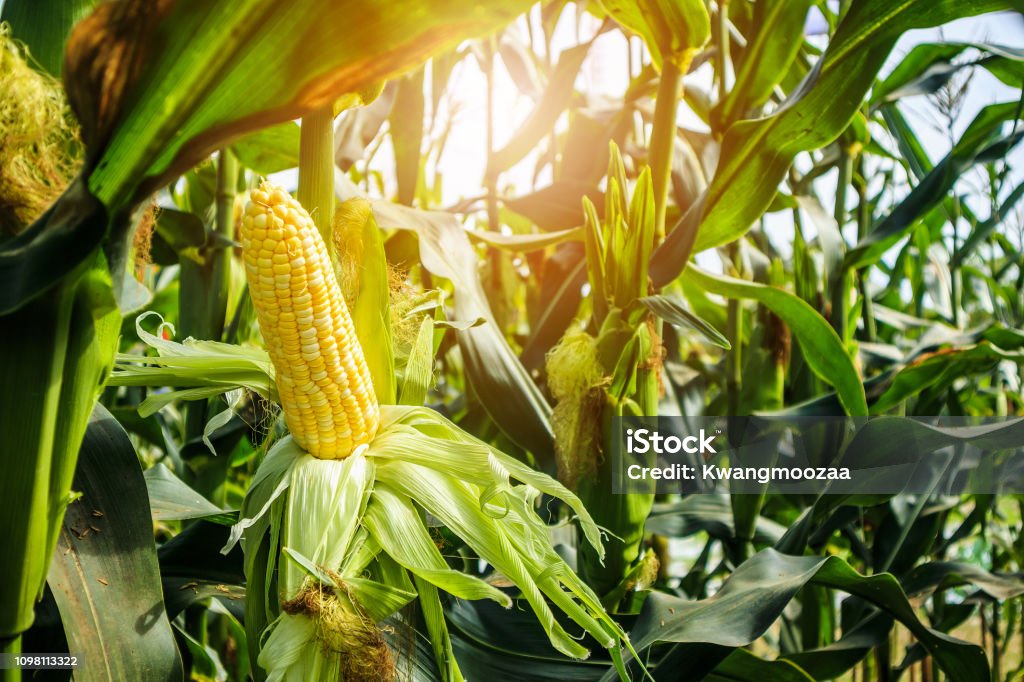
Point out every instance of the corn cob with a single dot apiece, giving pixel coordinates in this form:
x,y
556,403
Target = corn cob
x,y
322,378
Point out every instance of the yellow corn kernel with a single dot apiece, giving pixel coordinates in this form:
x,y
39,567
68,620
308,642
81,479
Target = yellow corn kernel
x,y
325,386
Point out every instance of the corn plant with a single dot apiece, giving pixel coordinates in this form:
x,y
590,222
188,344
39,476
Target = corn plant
x,y
611,371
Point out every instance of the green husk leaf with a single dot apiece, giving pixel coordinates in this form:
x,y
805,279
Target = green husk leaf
x,y
471,457
326,498
200,369
437,629
457,506
395,524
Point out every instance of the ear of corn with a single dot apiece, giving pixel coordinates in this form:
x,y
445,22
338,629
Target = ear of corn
x,y
322,378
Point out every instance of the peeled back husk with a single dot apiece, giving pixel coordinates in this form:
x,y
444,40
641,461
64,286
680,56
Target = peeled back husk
x,y
365,515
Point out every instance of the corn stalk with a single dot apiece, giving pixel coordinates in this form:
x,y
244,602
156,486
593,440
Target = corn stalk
x,y
54,367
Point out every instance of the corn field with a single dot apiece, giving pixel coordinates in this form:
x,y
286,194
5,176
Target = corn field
x,y
321,324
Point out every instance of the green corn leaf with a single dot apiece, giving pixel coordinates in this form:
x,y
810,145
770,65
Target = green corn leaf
x,y
458,325
766,59
639,240
675,312
250,51
205,660
626,370
524,243
980,143
201,369
942,575
595,259
982,230
940,370
44,26
706,514
432,441
269,150
557,315
928,66
743,666
311,569
556,206
498,521
830,238
107,580
224,68
460,509
405,125
757,592
756,154
506,645
832,660
823,350
57,354
62,239
171,499
913,154
184,232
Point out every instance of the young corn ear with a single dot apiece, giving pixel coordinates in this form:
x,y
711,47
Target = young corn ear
x,y
322,378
